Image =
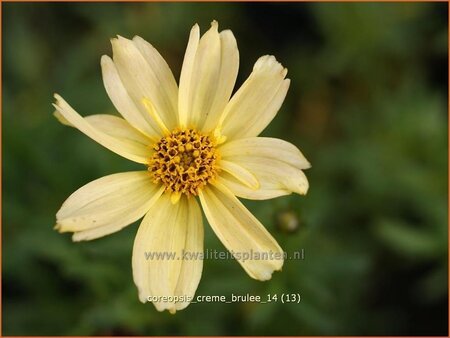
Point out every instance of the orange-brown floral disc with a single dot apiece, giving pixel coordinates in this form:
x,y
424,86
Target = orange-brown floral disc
x,y
184,161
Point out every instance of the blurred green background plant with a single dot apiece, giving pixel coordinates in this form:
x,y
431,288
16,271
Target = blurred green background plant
x,y
367,106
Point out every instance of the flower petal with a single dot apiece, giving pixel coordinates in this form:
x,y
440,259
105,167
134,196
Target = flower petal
x,y
186,75
258,100
276,178
207,78
275,163
191,268
99,130
122,100
159,269
241,233
265,191
98,209
265,147
113,126
146,75
119,128
240,173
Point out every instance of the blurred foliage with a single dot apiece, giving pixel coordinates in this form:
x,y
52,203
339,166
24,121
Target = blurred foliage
x,y
367,106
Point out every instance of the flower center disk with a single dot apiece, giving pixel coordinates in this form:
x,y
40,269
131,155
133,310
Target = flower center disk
x,y
184,161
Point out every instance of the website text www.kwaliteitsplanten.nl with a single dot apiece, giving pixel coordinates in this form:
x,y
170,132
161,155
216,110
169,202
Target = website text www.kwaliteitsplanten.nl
x,y
223,255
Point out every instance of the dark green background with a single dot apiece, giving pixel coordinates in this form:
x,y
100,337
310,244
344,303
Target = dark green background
x,y
367,106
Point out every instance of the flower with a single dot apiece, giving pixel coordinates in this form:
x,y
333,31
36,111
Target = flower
x,y
196,143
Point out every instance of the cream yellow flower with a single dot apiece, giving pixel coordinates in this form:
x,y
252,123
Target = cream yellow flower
x,y
195,142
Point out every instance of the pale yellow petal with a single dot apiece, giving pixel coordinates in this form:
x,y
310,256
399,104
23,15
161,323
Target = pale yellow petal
x,y
191,268
158,268
240,173
276,178
113,126
61,118
107,204
241,233
208,77
120,129
266,190
145,74
276,164
186,76
229,66
133,151
265,147
122,100
160,68
258,100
